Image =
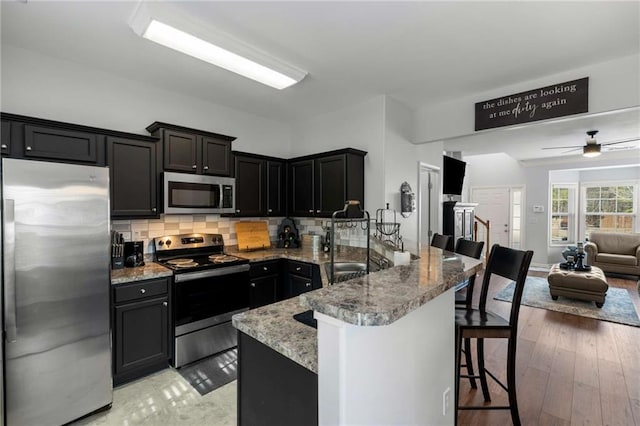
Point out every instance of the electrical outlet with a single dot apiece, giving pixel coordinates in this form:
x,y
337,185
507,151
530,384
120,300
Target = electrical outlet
x,y
446,401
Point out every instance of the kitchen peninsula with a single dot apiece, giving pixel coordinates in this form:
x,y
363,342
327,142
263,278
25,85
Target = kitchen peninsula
x,y
383,352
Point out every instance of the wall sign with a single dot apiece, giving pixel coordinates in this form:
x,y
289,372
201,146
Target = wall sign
x,y
553,101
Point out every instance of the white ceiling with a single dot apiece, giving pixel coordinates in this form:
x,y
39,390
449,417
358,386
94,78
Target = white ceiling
x,y
415,52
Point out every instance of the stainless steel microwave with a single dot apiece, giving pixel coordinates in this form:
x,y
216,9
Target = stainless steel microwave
x,y
187,194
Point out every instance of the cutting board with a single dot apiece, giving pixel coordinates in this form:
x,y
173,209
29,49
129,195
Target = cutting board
x,y
252,235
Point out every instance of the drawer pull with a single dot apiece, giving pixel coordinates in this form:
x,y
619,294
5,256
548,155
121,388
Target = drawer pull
x,y
253,285
298,268
194,166
264,268
164,304
270,210
206,167
307,285
4,146
143,291
317,211
154,209
28,148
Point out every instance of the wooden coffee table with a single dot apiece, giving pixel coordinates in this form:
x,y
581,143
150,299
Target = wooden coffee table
x,y
590,286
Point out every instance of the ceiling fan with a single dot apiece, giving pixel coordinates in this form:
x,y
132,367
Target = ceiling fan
x,y
592,147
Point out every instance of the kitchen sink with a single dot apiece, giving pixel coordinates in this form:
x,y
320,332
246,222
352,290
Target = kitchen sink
x,y
344,271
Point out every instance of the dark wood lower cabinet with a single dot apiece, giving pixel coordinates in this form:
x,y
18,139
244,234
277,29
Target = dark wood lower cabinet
x,y
141,330
272,389
263,291
301,277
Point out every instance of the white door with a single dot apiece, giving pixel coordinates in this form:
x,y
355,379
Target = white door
x,y
429,203
493,205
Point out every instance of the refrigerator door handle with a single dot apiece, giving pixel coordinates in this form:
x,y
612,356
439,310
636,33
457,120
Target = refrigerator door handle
x,y
9,268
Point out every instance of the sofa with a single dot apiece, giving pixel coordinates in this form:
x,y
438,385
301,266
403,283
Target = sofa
x,y
618,253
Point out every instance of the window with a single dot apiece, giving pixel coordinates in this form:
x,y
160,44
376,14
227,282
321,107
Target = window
x,y
516,218
563,224
609,208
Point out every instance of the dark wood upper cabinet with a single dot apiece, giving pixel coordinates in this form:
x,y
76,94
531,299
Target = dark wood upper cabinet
x,y
320,184
251,186
260,185
59,144
193,151
276,188
330,184
301,188
5,137
134,177
216,156
180,151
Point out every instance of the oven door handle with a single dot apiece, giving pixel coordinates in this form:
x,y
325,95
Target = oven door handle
x,y
220,272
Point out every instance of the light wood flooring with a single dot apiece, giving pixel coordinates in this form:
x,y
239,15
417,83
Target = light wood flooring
x,y
571,370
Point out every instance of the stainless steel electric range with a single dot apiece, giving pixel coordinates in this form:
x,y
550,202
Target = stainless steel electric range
x,y
209,287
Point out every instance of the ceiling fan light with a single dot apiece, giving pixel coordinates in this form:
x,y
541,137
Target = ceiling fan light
x,y
591,150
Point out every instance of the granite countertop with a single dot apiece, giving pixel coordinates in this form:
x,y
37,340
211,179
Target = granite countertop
x,y
154,270
149,271
379,298
274,326
386,296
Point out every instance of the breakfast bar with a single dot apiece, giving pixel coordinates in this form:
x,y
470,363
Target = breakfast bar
x,y
383,351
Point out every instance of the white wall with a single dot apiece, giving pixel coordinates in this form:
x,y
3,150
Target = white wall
x,y
41,86
612,85
400,164
359,126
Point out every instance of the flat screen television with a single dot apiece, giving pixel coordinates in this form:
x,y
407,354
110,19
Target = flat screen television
x,y
452,175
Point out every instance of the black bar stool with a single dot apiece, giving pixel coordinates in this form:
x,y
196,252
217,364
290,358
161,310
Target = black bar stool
x,y
440,241
482,324
463,301
471,249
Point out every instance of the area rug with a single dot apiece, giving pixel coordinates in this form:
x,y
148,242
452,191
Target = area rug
x,y
618,306
211,373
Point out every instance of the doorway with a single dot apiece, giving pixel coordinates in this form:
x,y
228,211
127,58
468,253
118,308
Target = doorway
x,y
502,206
428,202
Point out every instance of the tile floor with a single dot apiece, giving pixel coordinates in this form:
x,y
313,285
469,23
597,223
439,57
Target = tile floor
x,y
165,398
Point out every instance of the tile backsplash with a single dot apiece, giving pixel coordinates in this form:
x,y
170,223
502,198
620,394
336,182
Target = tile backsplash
x,y
147,229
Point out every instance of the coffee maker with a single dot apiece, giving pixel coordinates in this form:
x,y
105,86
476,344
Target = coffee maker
x,y
133,253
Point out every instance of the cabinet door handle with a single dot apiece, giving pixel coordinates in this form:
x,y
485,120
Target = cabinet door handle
x,y
253,285
153,209
317,211
264,268
206,167
194,166
28,148
298,268
165,304
311,211
143,291
237,210
4,146
307,285
270,211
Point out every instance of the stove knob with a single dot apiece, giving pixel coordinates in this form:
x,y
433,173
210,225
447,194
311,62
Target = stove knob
x,y
168,243
160,243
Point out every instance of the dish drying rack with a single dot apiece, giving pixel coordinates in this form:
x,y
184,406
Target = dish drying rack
x,y
388,229
351,216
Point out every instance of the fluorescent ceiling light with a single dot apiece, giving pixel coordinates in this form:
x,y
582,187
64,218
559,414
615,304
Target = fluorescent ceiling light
x,y
181,41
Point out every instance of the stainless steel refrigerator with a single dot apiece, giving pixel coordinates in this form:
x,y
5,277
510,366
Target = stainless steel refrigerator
x,y
55,288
